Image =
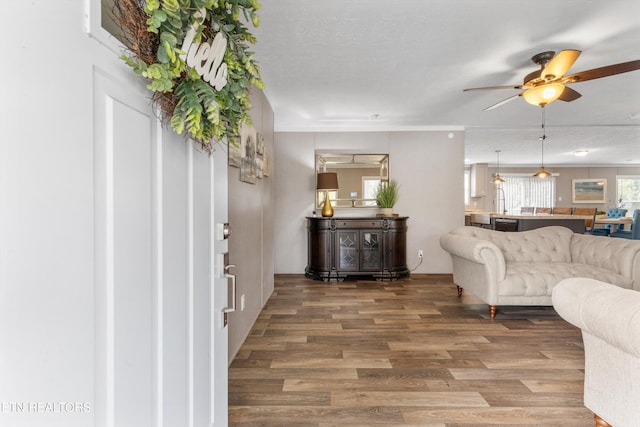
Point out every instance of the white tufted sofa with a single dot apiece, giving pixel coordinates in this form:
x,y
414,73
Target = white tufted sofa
x,y
521,268
609,318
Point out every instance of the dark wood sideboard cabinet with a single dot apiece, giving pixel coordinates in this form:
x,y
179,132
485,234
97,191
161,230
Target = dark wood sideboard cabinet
x,y
367,246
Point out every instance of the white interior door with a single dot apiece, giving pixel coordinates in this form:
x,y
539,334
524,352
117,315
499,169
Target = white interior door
x,y
160,337
209,288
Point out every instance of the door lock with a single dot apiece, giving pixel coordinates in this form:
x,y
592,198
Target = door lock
x,y
223,231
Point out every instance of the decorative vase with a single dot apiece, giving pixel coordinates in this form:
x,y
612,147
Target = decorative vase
x,y
387,211
327,209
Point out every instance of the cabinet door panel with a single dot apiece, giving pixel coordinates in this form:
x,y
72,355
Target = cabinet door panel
x,y
371,244
347,250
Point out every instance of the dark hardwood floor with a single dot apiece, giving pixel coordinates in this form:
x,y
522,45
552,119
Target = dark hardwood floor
x,y
404,353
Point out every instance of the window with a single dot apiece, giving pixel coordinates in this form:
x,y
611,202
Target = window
x,y
628,193
525,190
370,186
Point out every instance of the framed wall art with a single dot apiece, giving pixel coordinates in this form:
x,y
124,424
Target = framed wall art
x,y
589,190
248,161
235,151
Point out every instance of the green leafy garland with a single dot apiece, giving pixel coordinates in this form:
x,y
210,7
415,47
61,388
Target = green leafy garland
x,y
186,101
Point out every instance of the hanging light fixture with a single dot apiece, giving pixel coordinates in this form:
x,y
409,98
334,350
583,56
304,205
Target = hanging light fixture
x,y
497,179
542,173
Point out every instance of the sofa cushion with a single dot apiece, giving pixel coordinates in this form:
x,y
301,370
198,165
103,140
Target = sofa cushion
x,y
539,278
548,244
618,255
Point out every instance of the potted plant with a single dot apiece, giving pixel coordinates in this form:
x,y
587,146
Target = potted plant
x,y
387,196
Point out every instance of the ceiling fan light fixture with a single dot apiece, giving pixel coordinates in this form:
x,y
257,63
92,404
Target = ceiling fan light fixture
x,y
543,94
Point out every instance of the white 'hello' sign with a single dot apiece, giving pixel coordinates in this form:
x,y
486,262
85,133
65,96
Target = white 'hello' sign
x,y
206,58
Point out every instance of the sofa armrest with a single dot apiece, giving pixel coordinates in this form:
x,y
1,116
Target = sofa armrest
x,y
476,250
604,310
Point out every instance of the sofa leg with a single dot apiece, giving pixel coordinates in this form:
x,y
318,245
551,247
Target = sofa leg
x,y
459,291
600,422
492,311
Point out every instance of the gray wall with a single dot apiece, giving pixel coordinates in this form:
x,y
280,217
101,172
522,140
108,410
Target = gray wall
x,y
564,182
251,242
428,165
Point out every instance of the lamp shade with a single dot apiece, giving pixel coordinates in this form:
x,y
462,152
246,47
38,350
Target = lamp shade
x,y
327,181
497,179
542,173
543,94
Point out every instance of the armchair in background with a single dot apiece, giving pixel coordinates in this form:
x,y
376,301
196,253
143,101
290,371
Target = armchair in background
x,y
634,233
611,213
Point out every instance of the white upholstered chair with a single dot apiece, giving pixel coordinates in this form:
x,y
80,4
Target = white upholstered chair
x,y
609,317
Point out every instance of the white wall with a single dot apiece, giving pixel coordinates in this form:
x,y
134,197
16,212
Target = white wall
x,y
46,287
251,216
428,165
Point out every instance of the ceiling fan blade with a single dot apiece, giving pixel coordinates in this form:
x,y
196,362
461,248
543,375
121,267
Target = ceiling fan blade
x,y
569,95
596,73
504,101
559,64
492,88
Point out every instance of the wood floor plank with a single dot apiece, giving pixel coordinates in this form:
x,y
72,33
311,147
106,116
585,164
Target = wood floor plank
x,y
501,416
407,398
311,363
404,353
301,416
521,374
552,398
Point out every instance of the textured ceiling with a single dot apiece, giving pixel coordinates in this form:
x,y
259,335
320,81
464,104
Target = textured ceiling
x,y
355,65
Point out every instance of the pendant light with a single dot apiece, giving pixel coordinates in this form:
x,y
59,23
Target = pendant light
x,y
497,179
542,173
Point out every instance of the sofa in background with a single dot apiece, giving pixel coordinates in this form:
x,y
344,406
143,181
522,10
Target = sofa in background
x,y
609,317
521,268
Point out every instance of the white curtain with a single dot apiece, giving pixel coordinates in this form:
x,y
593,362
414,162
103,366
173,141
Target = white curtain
x,y
525,190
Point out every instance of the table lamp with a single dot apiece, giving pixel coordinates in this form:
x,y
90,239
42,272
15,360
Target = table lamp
x,y
327,181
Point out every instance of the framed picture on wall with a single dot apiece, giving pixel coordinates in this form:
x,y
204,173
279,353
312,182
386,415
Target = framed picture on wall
x,y
248,161
589,190
235,151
